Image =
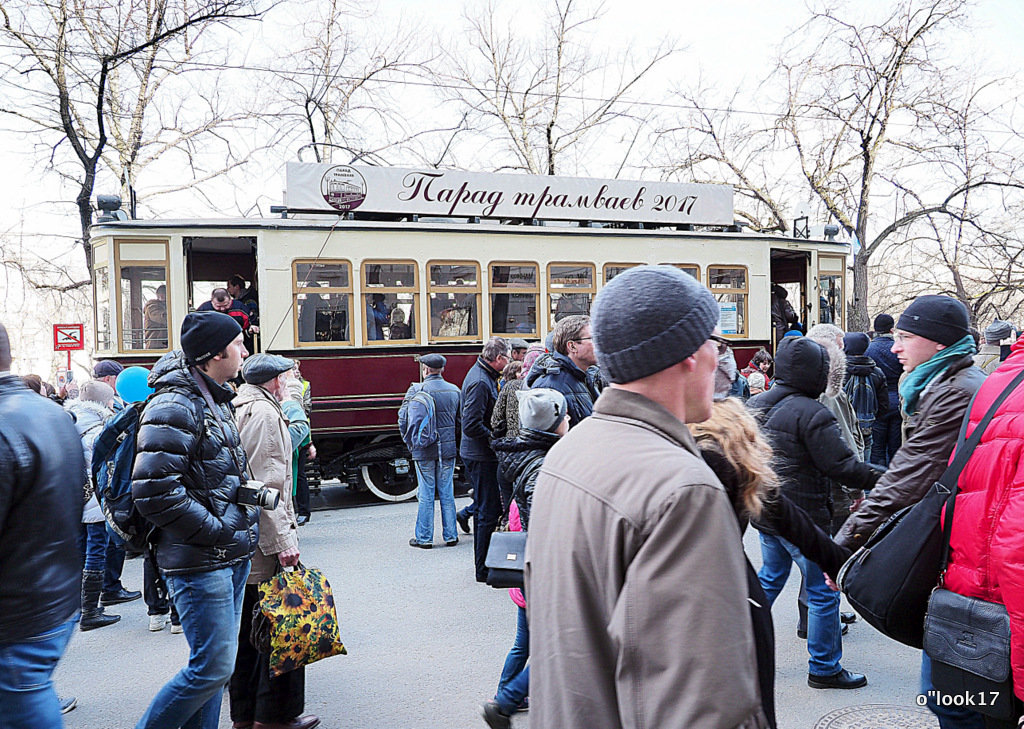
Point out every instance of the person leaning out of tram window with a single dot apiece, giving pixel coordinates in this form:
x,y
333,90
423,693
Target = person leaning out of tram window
x,y
566,368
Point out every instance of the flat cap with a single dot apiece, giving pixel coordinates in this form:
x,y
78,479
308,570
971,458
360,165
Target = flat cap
x,y
107,368
518,344
434,361
264,367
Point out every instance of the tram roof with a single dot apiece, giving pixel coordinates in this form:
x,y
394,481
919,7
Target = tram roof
x,y
452,225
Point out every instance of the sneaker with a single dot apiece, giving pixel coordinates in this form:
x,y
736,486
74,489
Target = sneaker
x,y
421,545
452,542
495,718
157,622
67,703
176,628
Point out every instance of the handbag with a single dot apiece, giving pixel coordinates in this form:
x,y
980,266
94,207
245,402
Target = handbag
x,y
505,559
299,607
968,641
888,580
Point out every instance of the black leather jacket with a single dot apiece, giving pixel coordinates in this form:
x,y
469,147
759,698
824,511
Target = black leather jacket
x,y
41,474
185,480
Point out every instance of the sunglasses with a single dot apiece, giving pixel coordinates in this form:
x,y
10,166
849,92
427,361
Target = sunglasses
x,y
719,340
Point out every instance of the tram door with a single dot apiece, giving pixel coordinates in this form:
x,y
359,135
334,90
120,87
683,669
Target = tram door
x,y
211,261
789,270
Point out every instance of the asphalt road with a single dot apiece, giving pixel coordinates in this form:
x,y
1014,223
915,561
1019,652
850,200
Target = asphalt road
x,y
426,643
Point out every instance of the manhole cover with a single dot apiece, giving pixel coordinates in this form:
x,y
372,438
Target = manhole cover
x,y
878,716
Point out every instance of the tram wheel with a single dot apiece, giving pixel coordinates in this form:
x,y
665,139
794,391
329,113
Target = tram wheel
x,y
375,478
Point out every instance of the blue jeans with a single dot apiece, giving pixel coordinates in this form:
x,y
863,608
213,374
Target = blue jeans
x,y
514,684
435,476
210,607
114,563
95,547
950,717
27,698
824,636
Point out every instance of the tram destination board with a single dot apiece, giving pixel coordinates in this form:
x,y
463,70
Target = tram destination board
x,y
455,193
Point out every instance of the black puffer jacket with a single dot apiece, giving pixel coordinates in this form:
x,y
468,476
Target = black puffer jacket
x,y
519,459
560,373
41,473
804,434
185,480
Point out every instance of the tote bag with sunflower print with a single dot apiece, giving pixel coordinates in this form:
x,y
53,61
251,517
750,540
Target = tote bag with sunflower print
x,y
300,619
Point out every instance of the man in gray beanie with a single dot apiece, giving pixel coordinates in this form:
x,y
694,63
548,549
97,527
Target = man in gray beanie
x,y
625,520
991,354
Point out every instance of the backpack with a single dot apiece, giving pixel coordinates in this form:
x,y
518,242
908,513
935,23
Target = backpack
x,y
113,457
864,399
418,422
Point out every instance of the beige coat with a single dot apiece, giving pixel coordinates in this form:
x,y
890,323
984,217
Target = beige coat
x,y
636,581
264,432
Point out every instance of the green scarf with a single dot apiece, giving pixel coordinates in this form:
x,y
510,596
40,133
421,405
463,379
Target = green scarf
x,y
917,380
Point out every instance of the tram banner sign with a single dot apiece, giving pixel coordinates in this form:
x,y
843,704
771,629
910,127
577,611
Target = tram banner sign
x,y
68,337
455,193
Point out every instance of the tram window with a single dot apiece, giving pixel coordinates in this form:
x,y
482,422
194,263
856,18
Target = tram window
x,y
389,301
611,270
570,289
322,292
830,291
454,293
103,339
690,268
143,307
729,285
515,293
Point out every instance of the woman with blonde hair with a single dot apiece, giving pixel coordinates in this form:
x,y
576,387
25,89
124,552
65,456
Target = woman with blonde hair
x,y
732,445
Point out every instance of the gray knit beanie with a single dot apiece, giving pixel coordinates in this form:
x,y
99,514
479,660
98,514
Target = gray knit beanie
x,y
649,318
997,331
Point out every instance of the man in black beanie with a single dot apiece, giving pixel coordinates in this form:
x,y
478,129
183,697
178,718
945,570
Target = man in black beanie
x,y
625,521
188,469
933,342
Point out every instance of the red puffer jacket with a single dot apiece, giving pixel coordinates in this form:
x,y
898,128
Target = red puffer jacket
x,y
987,560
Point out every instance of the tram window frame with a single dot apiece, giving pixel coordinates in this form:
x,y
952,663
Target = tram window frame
x,y
687,267
366,290
606,266
104,338
116,292
501,289
838,272
574,290
475,289
733,291
347,291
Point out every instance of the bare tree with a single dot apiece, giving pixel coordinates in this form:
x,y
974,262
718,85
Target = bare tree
x,y
73,53
543,97
867,112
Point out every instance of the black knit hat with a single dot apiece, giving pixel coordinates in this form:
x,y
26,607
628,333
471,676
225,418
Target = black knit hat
x,y
650,318
941,319
883,324
205,334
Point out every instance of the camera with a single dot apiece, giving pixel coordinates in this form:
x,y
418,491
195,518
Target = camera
x,y
256,493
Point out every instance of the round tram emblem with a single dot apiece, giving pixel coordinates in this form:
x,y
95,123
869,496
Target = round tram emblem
x,y
343,188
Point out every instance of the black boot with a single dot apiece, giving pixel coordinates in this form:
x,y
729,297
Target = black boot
x,y
92,614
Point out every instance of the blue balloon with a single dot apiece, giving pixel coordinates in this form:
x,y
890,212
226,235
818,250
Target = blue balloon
x,y
132,384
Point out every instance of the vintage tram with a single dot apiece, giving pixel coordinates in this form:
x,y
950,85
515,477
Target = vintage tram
x,y
368,268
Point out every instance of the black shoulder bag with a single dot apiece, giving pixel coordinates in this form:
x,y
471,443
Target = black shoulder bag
x,y
889,580
968,639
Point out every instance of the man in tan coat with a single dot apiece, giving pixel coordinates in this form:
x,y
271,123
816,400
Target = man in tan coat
x,y
635,573
257,700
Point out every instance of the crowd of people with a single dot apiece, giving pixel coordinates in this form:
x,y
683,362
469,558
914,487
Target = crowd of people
x,y
630,446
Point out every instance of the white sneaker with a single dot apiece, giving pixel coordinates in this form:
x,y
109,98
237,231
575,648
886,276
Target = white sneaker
x,y
177,629
157,622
